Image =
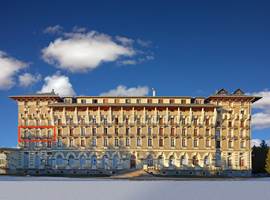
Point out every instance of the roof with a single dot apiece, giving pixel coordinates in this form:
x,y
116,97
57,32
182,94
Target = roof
x,y
129,105
222,93
51,94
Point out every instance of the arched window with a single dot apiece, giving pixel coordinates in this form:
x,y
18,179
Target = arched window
x,y
171,161
160,161
206,161
105,162
71,161
82,161
195,161
59,160
115,162
183,161
150,162
37,161
94,162
241,162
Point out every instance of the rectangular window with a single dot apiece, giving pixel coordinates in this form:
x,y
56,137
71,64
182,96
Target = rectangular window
x,y
161,131
127,142
196,142
116,142
160,142
138,142
207,143
184,142
94,131
94,142
116,131
172,142
138,131
83,143
127,131
149,142
105,142
105,131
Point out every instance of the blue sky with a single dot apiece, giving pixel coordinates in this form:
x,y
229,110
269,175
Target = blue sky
x,y
179,47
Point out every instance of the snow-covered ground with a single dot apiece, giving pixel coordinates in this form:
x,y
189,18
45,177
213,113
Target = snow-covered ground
x,y
44,188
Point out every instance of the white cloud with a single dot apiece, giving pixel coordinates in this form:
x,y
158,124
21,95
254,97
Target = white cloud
x,y
263,103
80,52
127,62
144,43
28,79
59,83
53,29
9,67
122,90
257,142
124,40
261,119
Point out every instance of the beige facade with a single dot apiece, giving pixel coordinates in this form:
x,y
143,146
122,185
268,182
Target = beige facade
x,y
114,133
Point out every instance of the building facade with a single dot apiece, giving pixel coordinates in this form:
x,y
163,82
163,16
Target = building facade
x,y
105,134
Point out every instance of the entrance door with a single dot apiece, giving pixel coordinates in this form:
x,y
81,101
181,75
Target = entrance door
x,y
132,161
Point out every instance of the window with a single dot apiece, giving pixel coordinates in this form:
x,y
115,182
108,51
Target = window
x,y
195,161
71,142
95,101
116,142
183,101
94,131
160,100
196,143
49,144
160,142
171,101
217,144
138,142
230,144
241,162
94,142
116,131
127,131
172,131
138,131
149,130
83,101
208,143
183,132
161,131
184,142
149,100
207,122
229,161
149,142
195,132
207,132
138,101
116,120
172,142
59,142
82,131
206,161
242,144
127,142
105,142
242,124
105,131
229,124
195,121
83,143
128,101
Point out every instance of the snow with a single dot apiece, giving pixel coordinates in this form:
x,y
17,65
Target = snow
x,y
44,188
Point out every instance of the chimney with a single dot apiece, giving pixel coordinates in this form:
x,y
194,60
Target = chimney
x,y
153,92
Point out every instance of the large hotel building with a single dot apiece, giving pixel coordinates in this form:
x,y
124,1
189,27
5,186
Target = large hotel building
x,y
105,134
